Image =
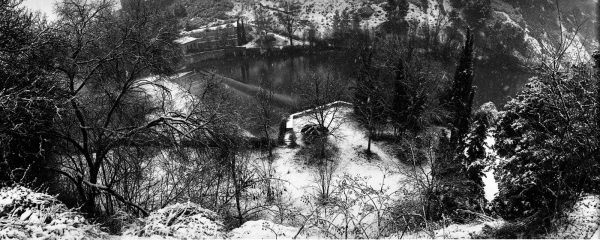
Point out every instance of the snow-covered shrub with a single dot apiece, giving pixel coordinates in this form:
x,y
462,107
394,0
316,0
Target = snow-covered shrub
x,y
311,132
268,230
182,220
25,214
547,137
354,208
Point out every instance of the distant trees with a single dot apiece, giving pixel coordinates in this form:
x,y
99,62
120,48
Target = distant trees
x,y
289,17
346,30
29,97
397,11
476,11
262,20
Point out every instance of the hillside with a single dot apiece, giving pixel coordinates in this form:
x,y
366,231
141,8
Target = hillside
x,y
525,30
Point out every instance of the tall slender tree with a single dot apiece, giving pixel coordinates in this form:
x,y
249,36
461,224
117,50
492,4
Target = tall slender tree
x,y
458,191
463,92
596,57
289,18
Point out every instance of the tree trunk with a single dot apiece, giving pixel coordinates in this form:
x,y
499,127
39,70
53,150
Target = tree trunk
x,y
369,142
290,32
237,190
90,201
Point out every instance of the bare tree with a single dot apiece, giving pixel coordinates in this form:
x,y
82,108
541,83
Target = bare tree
x,y
320,94
369,97
262,20
289,17
103,57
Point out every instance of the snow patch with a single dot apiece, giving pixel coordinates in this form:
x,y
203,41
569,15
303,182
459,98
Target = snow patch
x,y
27,214
583,221
181,221
262,229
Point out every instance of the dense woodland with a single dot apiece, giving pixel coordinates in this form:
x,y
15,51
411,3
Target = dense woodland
x,y
86,114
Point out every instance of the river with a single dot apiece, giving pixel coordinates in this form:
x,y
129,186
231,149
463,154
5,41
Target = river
x,y
494,82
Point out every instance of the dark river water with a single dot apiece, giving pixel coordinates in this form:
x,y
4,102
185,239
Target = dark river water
x,y
494,82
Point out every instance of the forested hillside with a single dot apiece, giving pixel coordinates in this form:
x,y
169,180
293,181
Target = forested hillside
x,y
329,119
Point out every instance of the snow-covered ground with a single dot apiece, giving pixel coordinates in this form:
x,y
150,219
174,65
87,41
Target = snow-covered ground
x,y
351,141
490,185
583,221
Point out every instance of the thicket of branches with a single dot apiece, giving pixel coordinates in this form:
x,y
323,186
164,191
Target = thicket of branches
x,y
95,82
29,97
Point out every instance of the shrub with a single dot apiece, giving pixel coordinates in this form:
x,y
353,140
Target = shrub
x,y
26,214
183,220
546,138
312,132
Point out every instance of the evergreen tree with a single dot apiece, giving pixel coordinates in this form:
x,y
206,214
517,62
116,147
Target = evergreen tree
x,y
462,93
401,98
461,188
409,102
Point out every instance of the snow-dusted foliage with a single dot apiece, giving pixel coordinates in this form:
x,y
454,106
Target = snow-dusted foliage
x,y
25,214
181,221
547,138
262,229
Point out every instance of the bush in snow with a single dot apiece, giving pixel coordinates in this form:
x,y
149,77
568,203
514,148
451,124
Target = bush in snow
x,y
547,139
26,214
312,132
182,220
268,230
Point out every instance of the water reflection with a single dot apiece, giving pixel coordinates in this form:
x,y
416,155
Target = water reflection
x,y
494,82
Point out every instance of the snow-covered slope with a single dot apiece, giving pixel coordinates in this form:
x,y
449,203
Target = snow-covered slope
x,y
320,13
